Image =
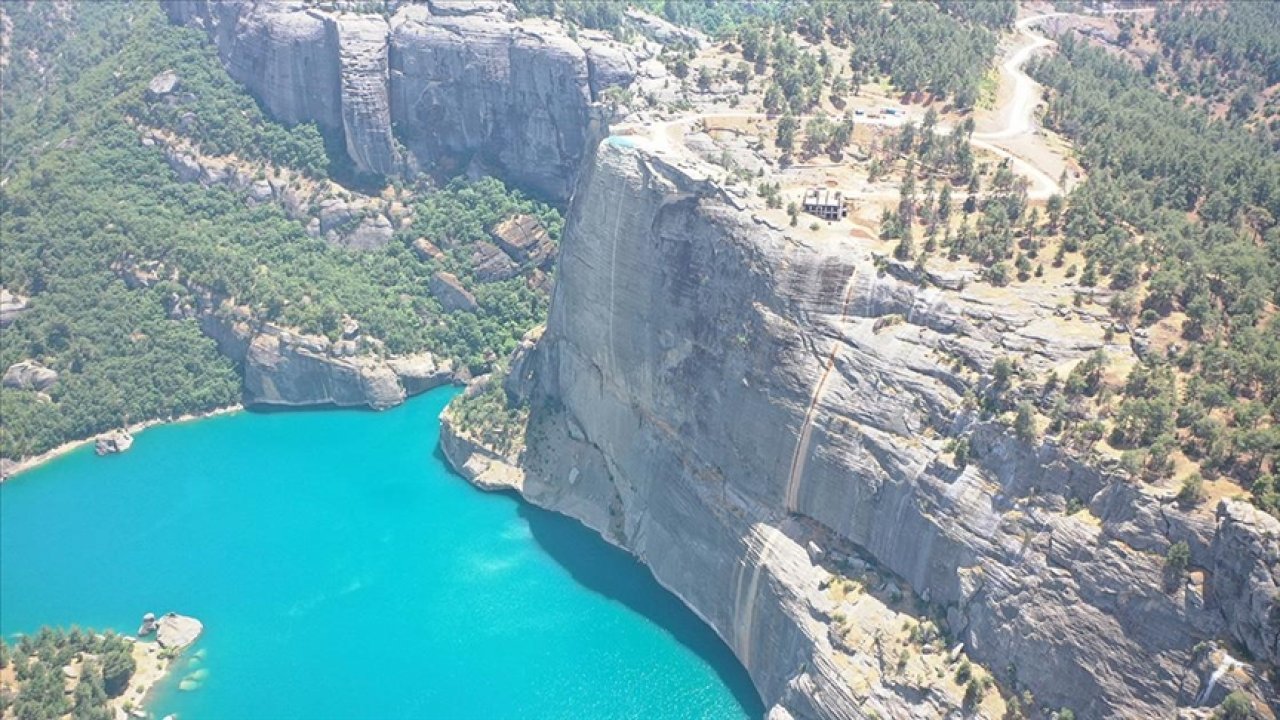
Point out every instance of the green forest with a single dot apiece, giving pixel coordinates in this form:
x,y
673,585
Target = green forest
x,y
1183,208
103,664
83,194
1228,55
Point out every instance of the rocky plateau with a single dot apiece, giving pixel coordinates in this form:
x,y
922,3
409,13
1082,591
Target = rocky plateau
x,y
727,401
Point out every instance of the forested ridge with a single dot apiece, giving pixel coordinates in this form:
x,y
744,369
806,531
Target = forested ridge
x,y
1179,214
83,198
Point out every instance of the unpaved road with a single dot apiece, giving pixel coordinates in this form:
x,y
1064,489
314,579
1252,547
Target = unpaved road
x,y
1018,112
1017,116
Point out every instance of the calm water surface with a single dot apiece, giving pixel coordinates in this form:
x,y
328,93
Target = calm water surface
x,y
342,571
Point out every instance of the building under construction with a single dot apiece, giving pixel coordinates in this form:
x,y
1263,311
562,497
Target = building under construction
x,y
826,204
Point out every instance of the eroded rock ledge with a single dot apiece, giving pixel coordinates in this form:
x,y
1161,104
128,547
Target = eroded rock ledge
x,y
727,403
436,85
286,368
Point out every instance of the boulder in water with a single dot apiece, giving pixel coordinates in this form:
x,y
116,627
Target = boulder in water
x,y
115,441
177,631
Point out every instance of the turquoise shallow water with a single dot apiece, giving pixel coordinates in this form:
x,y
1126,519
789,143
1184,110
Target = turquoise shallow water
x,y
342,571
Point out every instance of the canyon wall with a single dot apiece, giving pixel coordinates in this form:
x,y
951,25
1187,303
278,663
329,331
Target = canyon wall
x,y
745,410
438,86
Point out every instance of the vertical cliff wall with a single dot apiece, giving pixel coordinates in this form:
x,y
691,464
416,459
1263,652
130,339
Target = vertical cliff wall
x,y
741,408
452,84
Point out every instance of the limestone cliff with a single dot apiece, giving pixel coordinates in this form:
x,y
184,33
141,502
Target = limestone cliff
x,y
748,412
456,83
285,368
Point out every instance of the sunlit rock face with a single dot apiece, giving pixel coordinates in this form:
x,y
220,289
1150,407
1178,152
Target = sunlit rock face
x,y
436,86
741,408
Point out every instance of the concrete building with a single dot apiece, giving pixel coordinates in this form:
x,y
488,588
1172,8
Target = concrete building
x,y
826,204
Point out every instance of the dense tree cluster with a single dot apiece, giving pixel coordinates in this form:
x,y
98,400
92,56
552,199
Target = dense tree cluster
x,y
994,14
491,416
918,46
1179,212
91,201
1228,54
102,663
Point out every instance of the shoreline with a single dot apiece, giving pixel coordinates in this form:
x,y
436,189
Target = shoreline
x,y
152,668
29,463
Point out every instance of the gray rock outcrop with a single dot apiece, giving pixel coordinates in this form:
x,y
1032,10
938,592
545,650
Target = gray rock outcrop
x,y
287,368
426,250
29,375
455,83
421,372
176,632
370,234
11,306
453,297
281,368
524,240
718,398
490,264
115,441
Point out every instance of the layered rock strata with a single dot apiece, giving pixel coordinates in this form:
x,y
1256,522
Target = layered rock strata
x,y
740,408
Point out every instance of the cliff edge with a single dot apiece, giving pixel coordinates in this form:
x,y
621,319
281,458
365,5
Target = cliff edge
x,y
759,417
437,86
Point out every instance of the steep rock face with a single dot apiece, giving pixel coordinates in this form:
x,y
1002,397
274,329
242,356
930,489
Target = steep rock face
x,y
516,96
291,369
286,55
460,83
1246,553
282,369
366,110
726,402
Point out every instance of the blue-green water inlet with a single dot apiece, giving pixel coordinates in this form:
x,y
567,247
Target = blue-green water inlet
x,y
341,570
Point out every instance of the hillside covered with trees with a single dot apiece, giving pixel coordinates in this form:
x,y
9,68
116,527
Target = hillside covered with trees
x,y
1227,55
1179,214
83,199
943,49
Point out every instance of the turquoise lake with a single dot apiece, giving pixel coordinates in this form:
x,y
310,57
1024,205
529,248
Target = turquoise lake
x,y
343,571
